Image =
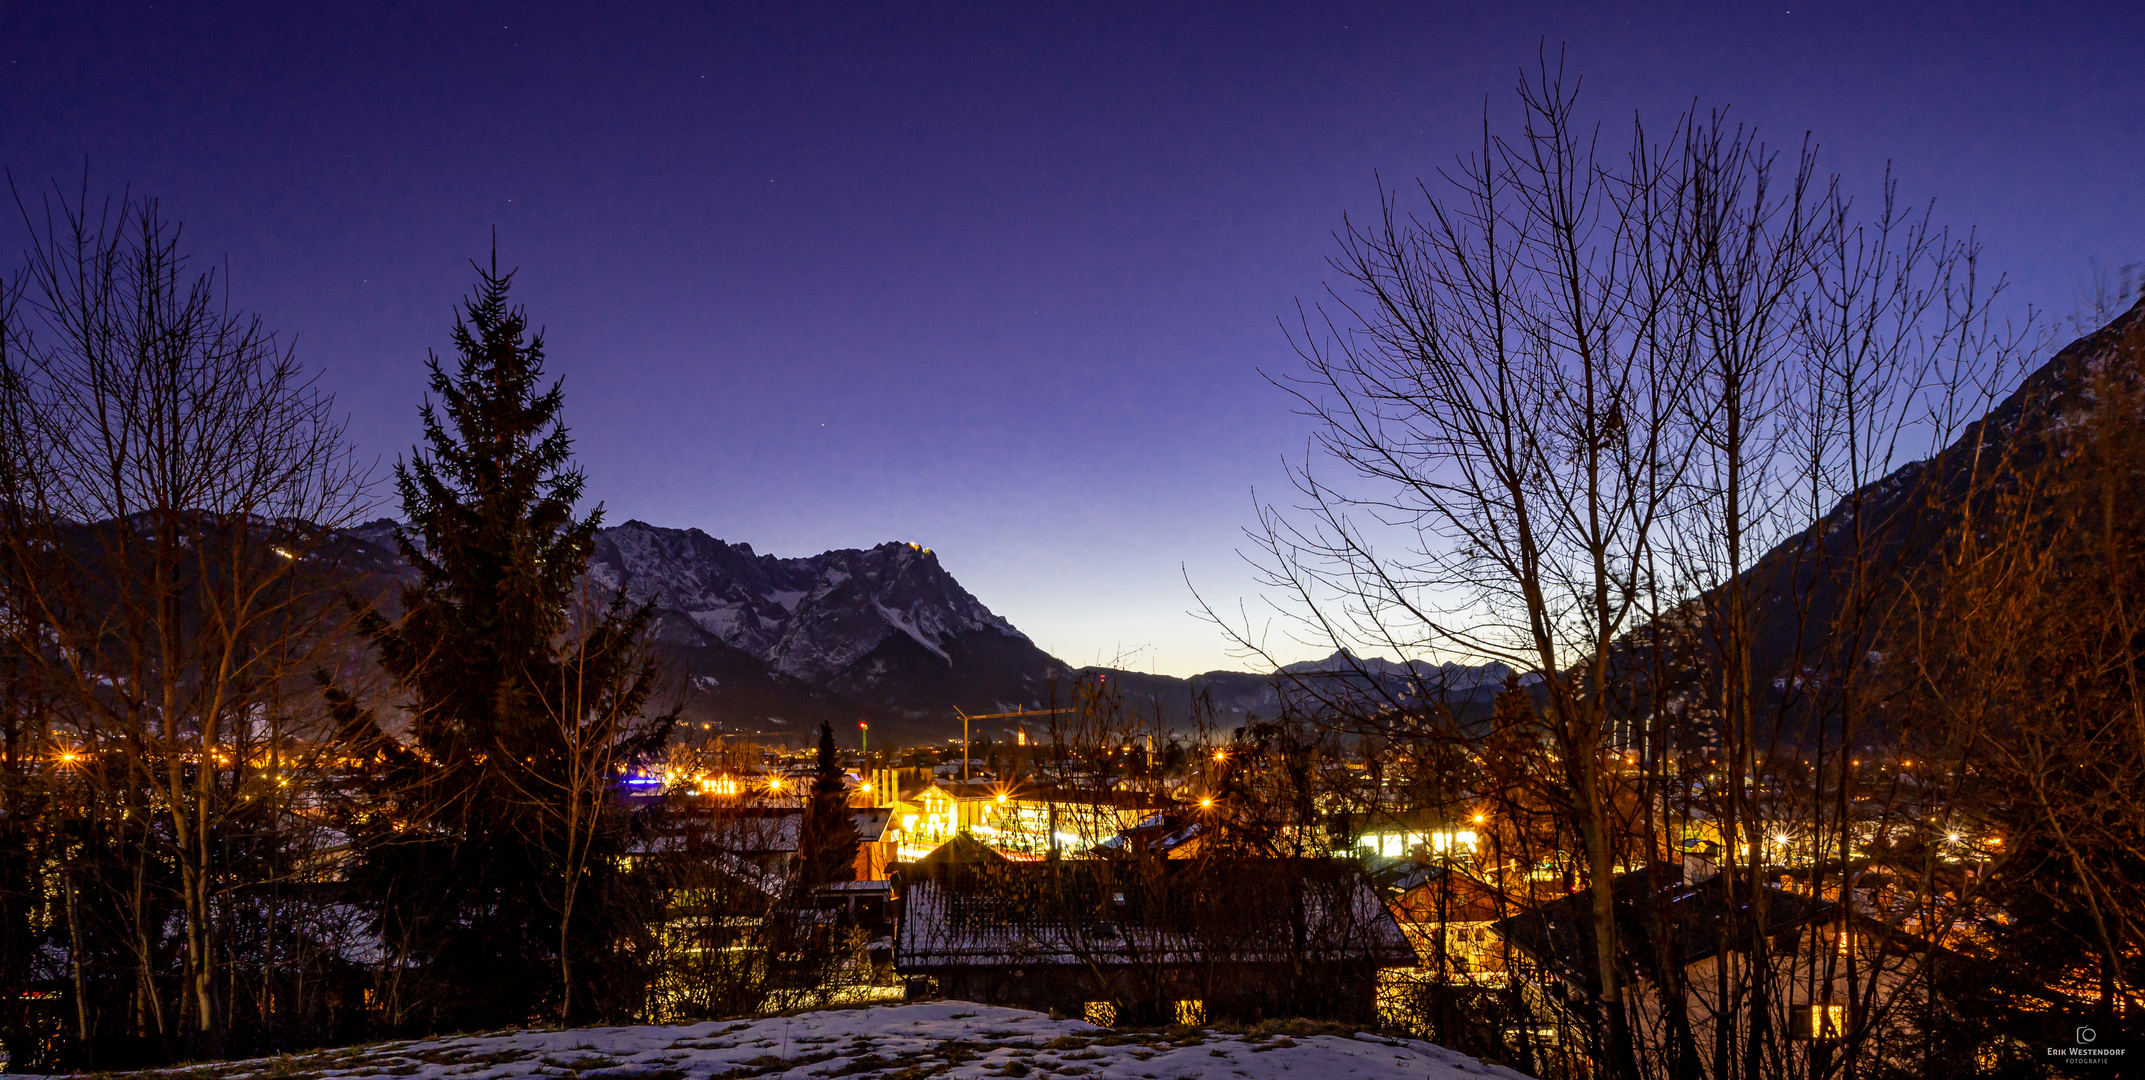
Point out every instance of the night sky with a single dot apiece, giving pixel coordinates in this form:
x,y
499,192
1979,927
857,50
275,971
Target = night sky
x,y
999,280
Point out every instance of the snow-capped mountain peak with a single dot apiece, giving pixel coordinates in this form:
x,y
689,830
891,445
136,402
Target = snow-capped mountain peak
x,y
810,618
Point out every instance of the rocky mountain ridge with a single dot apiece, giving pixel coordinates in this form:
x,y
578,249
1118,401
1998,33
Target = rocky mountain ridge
x,y
767,645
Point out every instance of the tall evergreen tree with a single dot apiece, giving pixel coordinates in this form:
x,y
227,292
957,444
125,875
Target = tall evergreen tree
x,y
488,841
827,847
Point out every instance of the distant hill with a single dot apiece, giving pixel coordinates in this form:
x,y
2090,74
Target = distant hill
x,y
1903,517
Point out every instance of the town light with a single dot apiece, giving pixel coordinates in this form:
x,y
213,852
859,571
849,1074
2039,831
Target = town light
x,y
1206,804
1480,818
1221,755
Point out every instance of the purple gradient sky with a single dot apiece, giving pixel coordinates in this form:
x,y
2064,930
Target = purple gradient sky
x,y
997,279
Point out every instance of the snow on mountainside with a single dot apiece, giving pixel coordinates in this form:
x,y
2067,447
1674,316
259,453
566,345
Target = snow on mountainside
x,y
772,645
777,645
808,618
951,1039
1452,677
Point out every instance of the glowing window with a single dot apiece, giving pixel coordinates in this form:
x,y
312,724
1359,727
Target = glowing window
x,y
1191,1012
1100,1013
1828,1021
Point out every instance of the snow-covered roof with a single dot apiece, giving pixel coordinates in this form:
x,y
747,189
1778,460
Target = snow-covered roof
x,y
1004,916
871,822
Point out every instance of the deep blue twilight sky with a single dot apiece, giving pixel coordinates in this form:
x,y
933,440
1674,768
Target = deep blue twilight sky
x,y
998,279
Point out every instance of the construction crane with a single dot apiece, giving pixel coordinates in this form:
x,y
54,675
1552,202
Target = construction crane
x,y
965,718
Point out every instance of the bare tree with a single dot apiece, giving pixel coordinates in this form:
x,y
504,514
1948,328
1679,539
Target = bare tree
x,y
1573,405
175,478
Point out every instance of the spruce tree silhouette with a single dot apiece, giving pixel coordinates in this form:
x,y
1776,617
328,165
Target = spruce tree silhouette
x,y
828,847
461,848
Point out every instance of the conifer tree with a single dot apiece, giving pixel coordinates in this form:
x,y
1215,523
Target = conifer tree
x,y
489,845
828,847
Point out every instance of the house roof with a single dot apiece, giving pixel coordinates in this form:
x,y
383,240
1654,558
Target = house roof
x,y
871,822
1431,892
1077,912
982,790
864,887
1159,834
1560,934
962,850
765,831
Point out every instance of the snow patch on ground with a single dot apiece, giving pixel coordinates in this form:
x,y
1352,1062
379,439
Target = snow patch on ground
x,y
949,1038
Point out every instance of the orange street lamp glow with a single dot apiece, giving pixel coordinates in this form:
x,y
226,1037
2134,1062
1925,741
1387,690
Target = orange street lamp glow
x,y
1221,755
67,757
1480,818
774,783
1206,804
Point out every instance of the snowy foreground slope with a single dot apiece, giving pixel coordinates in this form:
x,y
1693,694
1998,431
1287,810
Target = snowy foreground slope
x,y
941,1039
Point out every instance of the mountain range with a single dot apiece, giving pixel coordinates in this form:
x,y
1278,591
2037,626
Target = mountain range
x,y
885,635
